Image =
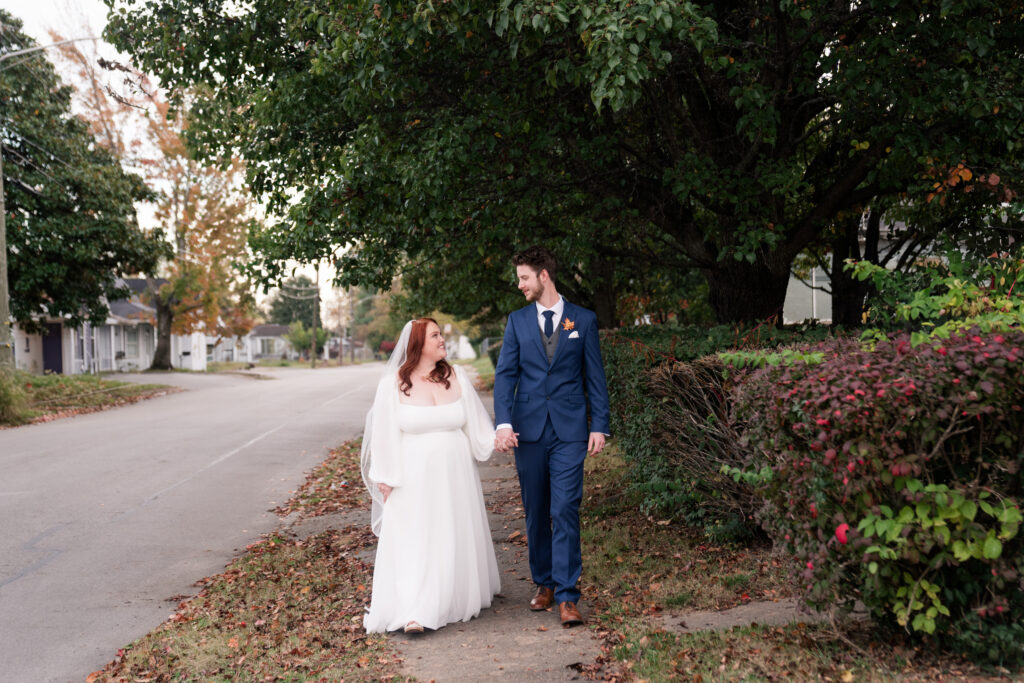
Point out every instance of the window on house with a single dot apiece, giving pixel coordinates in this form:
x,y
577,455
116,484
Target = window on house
x,y
266,347
27,340
131,342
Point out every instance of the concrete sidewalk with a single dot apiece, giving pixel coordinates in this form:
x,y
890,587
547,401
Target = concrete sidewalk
x,y
507,641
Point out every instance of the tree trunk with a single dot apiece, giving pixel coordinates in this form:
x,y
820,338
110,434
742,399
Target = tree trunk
x,y
743,292
164,318
848,294
605,297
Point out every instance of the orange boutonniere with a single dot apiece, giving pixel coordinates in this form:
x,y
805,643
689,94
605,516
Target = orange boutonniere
x,y
568,324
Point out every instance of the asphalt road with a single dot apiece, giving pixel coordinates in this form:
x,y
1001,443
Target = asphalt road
x,y
105,517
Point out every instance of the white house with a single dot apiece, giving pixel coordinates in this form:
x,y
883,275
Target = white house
x,y
125,342
268,341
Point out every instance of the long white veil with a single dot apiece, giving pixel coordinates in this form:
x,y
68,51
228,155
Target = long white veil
x,y
386,394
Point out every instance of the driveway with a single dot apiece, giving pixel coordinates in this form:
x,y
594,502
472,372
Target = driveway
x,y
107,519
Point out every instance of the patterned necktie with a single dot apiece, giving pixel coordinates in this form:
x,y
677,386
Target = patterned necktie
x,y
549,326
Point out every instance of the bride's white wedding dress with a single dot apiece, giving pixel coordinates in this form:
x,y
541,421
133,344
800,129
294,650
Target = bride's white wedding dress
x,y
435,561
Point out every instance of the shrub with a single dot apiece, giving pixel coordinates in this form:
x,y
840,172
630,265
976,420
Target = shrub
x,y
696,439
940,296
13,401
894,476
646,418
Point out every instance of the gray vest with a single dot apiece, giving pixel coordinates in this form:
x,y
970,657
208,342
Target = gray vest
x,y
550,343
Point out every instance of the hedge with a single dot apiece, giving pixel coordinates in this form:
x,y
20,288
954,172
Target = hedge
x,y
642,365
895,478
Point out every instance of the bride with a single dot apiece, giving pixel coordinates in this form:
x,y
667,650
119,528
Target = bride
x,y
435,562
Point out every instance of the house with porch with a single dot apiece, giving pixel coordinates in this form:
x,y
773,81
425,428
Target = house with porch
x,y
125,342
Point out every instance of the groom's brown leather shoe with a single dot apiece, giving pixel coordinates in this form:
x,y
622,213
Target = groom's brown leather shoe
x,y
542,599
570,614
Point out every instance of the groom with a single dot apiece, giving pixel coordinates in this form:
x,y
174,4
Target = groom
x,y
548,374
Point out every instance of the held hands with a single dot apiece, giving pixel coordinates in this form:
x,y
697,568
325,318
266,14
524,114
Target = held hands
x,y
505,440
385,491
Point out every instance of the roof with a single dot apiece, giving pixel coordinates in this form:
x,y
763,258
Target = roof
x,y
131,310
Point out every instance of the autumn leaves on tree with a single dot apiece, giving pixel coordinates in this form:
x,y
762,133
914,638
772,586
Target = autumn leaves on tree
x,y
203,209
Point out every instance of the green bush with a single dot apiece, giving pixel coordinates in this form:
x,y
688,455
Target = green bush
x,y
937,297
667,414
13,401
894,476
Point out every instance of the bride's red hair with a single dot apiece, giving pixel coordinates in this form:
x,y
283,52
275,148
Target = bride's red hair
x,y
417,336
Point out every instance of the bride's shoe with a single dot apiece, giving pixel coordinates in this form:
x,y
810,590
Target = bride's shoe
x,y
413,627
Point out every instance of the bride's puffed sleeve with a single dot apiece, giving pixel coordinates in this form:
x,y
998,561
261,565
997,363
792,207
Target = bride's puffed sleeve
x,y
385,437
479,426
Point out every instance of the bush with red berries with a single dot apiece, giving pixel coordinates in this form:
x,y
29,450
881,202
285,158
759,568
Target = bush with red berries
x,y
894,475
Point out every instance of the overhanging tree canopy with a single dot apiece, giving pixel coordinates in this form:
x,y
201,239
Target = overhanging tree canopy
x,y
71,224
636,137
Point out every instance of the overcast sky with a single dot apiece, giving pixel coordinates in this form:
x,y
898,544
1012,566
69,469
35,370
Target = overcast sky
x,y
66,16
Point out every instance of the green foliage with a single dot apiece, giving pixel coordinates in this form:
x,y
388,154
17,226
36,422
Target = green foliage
x,y
13,402
896,479
759,359
941,297
25,396
670,406
432,139
70,208
301,338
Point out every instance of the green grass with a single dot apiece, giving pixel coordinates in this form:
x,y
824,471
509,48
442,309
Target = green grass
x,y
39,397
484,368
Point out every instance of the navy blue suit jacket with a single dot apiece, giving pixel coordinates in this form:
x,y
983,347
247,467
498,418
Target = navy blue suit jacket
x,y
527,389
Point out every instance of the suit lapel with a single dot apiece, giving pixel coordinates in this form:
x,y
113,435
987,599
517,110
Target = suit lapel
x,y
563,334
532,329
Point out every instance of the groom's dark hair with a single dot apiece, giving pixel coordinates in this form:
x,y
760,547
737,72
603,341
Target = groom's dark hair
x,y
537,258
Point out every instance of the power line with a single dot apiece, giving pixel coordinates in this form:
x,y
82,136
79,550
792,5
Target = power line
x,y
43,149
299,298
31,162
297,288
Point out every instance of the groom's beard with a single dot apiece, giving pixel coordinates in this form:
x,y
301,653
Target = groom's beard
x,y
533,295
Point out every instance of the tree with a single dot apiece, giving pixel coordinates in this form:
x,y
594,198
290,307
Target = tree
x,y
295,300
374,320
207,211
633,136
70,207
301,338
203,208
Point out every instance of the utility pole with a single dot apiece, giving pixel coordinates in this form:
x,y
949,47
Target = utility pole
x,y
6,336
316,314
351,327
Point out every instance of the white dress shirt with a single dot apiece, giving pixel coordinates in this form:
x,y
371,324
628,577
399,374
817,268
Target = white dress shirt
x,y
555,319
